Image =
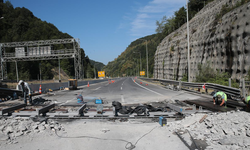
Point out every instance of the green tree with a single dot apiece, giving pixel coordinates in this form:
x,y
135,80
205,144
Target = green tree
x,y
19,24
207,74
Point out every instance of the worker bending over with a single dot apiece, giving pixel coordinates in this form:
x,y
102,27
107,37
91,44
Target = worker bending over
x,y
24,87
220,96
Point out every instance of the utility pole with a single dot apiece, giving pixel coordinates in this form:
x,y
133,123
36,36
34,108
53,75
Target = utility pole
x,y
1,60
140,61
40,74
1,56
59,70
16,73
147,56
188,45
146,53
94,71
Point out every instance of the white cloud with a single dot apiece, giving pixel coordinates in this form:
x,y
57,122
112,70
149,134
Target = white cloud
x,y
144,21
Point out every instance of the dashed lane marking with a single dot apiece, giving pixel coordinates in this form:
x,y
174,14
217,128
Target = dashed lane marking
x,y
147,88
98,88
122,98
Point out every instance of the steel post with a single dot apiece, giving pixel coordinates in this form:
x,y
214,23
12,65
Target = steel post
x,y
243,88
59,69
1,53
17,79
229,82
188,46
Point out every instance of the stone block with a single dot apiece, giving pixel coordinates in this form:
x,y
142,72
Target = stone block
x,y
34,127
17,134
9,129
3,137
248,132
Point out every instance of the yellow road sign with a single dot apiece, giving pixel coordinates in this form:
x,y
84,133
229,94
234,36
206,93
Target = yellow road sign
x,y
101,74
142,73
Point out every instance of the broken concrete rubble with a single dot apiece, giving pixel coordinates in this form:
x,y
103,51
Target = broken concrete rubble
x,y
11,128
229,130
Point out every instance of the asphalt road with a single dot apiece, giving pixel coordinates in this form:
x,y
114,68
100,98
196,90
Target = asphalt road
x,y
110,134
126,90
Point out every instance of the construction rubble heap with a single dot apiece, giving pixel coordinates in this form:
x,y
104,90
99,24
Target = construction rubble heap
x,y
230,130
14,127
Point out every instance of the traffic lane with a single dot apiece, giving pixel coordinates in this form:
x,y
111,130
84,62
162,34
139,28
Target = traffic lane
x,y
92,88
134,93
108,92
90,91
167,93
60,97
63,97
107,87
125,91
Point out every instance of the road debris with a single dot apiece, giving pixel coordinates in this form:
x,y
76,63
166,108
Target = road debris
x,y
230,130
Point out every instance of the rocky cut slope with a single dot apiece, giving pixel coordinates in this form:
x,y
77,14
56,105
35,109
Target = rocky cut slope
x,y
222,41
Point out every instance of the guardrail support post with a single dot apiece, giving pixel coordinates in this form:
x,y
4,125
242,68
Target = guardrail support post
x,y
229,82
179,86
243,88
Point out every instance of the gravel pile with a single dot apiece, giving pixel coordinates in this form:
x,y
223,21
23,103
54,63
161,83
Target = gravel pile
x,y
14,127
230,130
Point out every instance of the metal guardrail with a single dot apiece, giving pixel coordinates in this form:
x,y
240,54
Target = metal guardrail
x,y
228,90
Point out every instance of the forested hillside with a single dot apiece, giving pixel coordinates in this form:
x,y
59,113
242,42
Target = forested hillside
x,y
19,24
98,65
128,63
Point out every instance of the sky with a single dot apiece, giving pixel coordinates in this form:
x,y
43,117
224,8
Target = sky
x,y
105,28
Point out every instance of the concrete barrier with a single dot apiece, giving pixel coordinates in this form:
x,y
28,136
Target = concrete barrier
x,y
56,86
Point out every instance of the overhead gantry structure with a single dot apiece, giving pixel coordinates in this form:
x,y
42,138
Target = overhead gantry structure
x,y
40,50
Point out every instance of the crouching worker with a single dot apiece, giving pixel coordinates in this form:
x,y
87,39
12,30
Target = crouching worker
x,y
24,87
220,96
247,102
79,99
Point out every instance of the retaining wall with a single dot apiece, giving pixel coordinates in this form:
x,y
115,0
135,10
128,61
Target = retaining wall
x,y
224,44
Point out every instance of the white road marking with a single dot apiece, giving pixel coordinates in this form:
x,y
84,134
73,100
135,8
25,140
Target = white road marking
x,y
147,88
67,101
123,82
121,88
122,98
98,88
